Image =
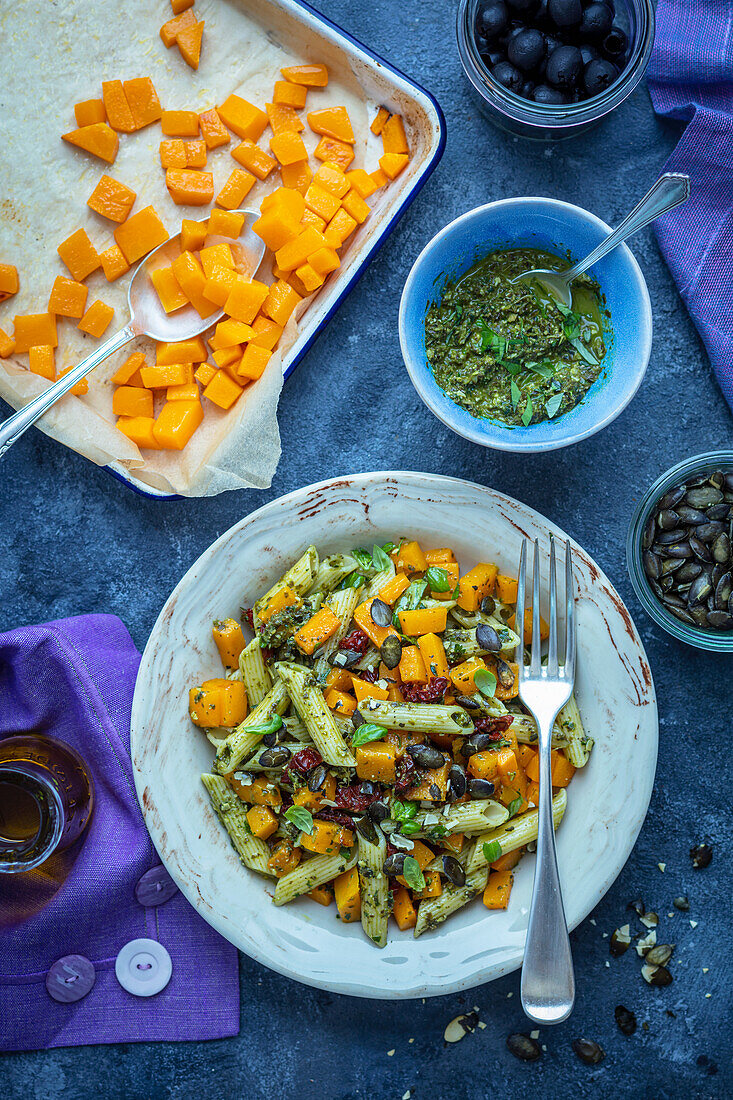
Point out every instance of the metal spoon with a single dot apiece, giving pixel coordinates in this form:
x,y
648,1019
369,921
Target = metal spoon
x,y
147,318
669,191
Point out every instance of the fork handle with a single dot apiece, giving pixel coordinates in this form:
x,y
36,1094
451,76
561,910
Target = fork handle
x,y
548,982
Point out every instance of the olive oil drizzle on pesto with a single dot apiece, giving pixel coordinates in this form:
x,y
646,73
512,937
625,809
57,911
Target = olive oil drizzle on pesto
x,y
508,350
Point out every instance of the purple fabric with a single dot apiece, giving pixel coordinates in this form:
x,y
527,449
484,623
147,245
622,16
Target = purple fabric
x,y
691,78
73,679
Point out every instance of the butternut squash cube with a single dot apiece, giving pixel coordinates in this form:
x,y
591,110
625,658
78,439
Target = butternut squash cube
x,y
180,124
333,122
379,178
338,152
245,299
342,225
212,130
288,147
284,858
289,95
174,426
184,392
89,111
160,376
81,387
188,187
309,277
191,279
216,255
68,298
229,640
41,361
228,333
393,163
142,100
113,263
280,302
112,199
312,76
119,115
222,390
34,330
432,652
204,373
193,235
284,119
8,281
242,118
261,792
276,227
226,357
99,139
296,176
394,139
326,839
225,223
139,429
79,255
429,620
364,690
192,350
475,585
7,345
262,821
316,630
348,897
376,762
403,910
411,666
462,676
253,362
309,218
354,205
170,30
321,202
169,292
195,154
361,182
266,332
132,401
340,702
296,252
140,234
219,283
129,369
189,42
321,894
254,159
498,889
236,188
97,318
379,120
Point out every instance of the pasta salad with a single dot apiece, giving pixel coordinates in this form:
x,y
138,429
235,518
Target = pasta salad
x,y
370,744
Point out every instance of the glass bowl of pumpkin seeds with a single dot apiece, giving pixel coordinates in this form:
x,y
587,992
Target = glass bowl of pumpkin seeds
x,y
680,551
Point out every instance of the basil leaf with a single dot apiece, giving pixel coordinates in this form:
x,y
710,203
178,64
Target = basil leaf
x,y
492,851
410,598
389,547
380,559
354,580
512,367
544,369
583,351
437,579
527,414
301,818
514,805
403,811
266,727
410,827
412,874
516,394
365,733
553,404
456,591
363,557
485,681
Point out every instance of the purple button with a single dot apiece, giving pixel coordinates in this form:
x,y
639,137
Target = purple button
x,y
155,887
70,978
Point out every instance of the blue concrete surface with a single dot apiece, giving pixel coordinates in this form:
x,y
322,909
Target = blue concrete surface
x,y
75,540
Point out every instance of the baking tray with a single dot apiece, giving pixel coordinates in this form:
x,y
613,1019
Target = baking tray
x,y
312,37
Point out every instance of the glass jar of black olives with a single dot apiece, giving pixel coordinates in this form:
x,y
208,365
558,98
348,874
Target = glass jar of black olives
x,y
549,69
679,551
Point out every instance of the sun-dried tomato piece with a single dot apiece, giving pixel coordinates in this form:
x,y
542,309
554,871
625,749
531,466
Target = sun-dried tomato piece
x,y
356,640
407,774
249,617
425,693
493,726
354,799
340,817
305,761
371,675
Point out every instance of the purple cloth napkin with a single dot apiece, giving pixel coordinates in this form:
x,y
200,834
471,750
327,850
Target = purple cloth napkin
x,y
73,679
691,78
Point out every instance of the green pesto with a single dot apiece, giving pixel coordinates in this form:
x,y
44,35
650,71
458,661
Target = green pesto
x,y
507,350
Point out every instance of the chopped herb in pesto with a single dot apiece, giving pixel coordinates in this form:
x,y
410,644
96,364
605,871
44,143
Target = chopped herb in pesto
x,y
509,351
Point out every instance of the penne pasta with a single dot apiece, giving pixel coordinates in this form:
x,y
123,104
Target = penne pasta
x,y
252,851
254,673
374,888
425,717
579,745
465,817
299,578
243,739
331,571
314,872
308,700
515,833
433,911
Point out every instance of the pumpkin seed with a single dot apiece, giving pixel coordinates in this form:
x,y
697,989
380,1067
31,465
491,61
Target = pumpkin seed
x,y
721,548
488,605
346,658
461,1026
480,788
620,940
489,640
709,531
649,919
648,533
454,871
645,943
720,620
688,571
589,1051
718,511
690,516
457,782
365,826
703,497
317,777
699,590
667,537
667,519
394,864
682,902
504,672
656,975
698,548
425,756
523,1047
381,613
625,1019
379,811
660,955
391,651
672,497
701,856
638,906
682,549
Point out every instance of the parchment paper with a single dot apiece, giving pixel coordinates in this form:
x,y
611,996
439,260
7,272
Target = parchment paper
x,y
57,54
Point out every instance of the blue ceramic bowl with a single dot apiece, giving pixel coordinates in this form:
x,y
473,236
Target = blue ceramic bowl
x,y
557,227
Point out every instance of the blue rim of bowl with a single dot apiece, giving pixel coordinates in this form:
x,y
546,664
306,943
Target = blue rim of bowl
x,y
691,635
379,240
510,444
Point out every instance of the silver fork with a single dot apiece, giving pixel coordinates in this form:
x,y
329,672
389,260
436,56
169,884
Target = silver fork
x,y
548,982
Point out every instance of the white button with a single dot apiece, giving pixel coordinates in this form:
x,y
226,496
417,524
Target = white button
x,y
143,967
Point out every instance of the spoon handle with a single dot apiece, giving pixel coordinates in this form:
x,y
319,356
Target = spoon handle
x,y
669,191
15,425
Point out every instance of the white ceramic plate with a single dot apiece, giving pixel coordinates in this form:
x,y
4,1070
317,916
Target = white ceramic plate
x,y
607,800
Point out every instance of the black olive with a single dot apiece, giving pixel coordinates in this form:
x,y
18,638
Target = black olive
x,y
488,605
596,21
391,651
589,1051
394,864
379,811
275,757
615,42
588,52
456,782
493,57
524,1048
477,742
366,827
487,638
454,871
482,43
625,1019
599,75
527,89
425,756
317,777
493,19
543,93
480,788
552,41
564,66
526,7
381,613
508,76
565,13
526,50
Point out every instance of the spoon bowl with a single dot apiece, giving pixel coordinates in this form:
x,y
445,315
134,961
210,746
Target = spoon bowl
x,y
147,318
